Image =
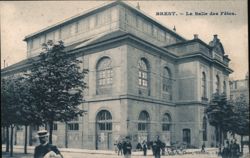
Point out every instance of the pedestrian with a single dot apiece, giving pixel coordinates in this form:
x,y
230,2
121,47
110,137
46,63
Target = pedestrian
x,y
163,147
235,150
144,148
119,146
139,147
203,148
116,146
46,150
127,147
157,146
226,151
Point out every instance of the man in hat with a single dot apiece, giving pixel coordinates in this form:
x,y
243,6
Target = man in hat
x,y
127,147
157,147
46,150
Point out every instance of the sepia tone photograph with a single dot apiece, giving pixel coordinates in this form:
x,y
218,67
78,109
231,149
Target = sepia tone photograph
x,y
121,78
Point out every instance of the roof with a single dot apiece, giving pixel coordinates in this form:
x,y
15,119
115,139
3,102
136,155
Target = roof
x,y
96,9
100,38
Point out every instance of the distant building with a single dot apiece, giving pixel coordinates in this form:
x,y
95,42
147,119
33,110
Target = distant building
x,y
144,79
240,87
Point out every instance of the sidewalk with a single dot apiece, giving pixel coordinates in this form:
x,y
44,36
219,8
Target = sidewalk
x,y
30,149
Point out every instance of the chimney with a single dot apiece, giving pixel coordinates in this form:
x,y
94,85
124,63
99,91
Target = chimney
x,y
138,6
215,36
174,28
195,36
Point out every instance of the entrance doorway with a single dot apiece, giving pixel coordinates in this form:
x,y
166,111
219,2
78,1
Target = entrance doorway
x,y
104,130
187,136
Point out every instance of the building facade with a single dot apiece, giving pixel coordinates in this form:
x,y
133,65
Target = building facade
x,y
144,79
239,88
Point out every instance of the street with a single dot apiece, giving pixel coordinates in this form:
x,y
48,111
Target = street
x,y
85,155
18,153
75,153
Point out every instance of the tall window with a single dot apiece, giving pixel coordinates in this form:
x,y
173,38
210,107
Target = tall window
x,y
104,121
55,126
143,73
104,76
186,136
224,87
73,125
204,129
204,85
166,122
217,84
143,121
167,82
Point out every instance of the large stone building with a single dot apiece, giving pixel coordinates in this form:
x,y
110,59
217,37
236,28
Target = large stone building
x,y
144,79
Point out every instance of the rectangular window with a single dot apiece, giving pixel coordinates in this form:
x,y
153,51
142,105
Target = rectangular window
x,y
143,81
36,43
105,126
92,21
73,29
114,14
139,23
55,126
165,127
142,126
57,35
73,126
186,136
83,25
43,39
65,32
50,36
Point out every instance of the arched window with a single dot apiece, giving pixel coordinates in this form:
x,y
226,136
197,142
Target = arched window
x,y
204,129
143,73
224,87
204,85
104,121
167,82
166,122
143,121
104,76
217,83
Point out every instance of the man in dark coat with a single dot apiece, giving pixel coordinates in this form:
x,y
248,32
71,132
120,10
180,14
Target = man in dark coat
x,y
119,146
144,148
157,146
127,147
46,150
235,150
226,150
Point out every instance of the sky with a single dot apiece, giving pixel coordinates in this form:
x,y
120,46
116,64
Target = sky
x,y
21,18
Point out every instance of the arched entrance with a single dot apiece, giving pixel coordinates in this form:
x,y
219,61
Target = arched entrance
x,y
104,130
166,129
143,126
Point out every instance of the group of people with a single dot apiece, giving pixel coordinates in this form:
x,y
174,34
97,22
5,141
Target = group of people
x,y
231,150
124,147
46,150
